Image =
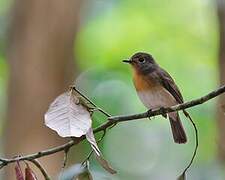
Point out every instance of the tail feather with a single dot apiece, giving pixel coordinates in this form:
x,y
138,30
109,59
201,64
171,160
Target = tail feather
x,y
179,135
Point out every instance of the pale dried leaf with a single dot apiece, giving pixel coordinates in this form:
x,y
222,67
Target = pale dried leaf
x,y
105,164
29,174
67,116
19,173
90,137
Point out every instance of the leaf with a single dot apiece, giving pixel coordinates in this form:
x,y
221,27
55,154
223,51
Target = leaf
x,y
182,176
19,173
105,164
29,174
91,139
67,116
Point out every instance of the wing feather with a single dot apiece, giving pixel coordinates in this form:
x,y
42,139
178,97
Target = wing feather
x,y
162,77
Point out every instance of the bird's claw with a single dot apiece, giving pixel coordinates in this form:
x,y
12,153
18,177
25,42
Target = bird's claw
x,y
149,113
163,112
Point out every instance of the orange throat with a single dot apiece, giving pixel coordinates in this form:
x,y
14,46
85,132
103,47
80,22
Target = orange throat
x,y
141,82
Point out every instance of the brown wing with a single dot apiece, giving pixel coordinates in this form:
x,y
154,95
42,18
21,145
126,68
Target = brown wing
x,y
168,83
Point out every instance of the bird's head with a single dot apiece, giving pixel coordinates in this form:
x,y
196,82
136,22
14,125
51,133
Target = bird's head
x,y
142,62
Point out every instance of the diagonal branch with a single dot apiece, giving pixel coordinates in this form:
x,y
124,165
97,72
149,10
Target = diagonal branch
x,y
39,166
112,120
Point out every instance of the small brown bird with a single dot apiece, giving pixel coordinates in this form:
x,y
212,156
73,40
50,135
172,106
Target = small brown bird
x,y
156,89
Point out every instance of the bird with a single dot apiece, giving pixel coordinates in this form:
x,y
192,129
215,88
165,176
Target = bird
x,y
157,89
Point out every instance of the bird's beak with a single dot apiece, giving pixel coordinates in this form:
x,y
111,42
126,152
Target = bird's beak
x,y
127,61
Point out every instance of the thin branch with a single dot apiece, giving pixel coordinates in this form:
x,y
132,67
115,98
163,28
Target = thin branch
x,y
85,97
104,112
196,142
88,157
91,102
112,120
66,151
43,153
2,165
40,167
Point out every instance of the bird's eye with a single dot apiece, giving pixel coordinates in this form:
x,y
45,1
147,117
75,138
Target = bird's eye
x,y
142,60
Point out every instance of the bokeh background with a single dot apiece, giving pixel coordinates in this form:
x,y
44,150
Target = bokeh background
x,y
47,45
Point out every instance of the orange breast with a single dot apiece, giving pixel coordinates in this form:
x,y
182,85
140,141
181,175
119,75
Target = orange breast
x,y
141,82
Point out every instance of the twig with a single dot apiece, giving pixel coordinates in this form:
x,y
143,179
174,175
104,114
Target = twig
x,y
1,166
88,157
43,153
104,112
40,167
66,151
111,121
91,102
196,142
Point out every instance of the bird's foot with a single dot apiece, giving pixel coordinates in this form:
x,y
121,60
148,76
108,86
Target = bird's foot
x,y
163,112
149,113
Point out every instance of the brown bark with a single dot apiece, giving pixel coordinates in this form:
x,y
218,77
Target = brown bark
x,y
41,66
221,101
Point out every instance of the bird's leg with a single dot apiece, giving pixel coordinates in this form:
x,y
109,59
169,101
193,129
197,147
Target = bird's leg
x,y
162,111
149,112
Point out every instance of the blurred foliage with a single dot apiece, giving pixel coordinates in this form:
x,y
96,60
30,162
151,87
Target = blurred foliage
x,y
182,36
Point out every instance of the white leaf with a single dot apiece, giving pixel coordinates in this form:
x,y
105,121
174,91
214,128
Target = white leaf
x,y
91,139
67,117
